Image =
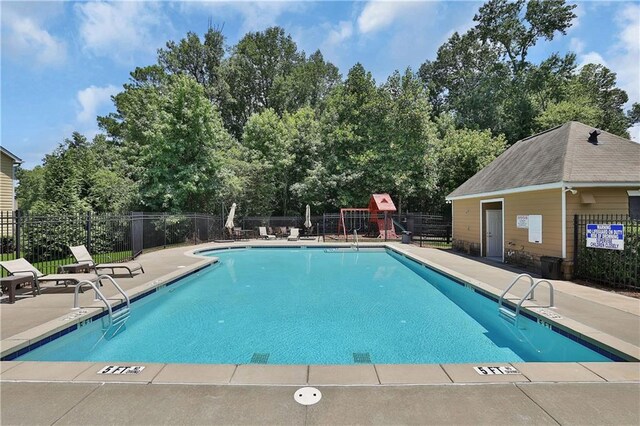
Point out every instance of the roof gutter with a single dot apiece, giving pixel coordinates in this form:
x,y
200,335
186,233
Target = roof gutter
x,y
555,185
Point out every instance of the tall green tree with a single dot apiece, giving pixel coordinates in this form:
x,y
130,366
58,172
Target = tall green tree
x,y
308,84
176,144
269,142
79,176
200,59
597,84
353,124
517,26
458,155
255,73
408,136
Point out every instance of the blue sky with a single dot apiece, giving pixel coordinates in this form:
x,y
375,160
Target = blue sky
x,y
61,61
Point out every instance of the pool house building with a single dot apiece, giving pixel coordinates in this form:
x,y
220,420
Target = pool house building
x,y
522,206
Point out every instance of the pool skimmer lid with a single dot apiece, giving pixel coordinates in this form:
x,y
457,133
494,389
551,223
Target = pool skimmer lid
x,y
307,396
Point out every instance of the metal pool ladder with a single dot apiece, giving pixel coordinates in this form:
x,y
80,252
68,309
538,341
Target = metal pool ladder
x,y
512,316
116,319
355,236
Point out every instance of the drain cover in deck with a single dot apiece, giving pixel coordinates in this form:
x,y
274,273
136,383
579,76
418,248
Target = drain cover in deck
x,y
307,396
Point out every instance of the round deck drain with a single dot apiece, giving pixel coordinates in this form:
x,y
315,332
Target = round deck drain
x,y
307,396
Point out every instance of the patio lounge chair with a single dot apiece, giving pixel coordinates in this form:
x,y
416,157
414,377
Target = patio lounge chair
x,y
82,256
263,233
294,235
21,267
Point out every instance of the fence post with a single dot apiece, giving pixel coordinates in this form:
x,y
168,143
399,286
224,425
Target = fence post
x,y
324,227
386,226
88,229
164,220
17,234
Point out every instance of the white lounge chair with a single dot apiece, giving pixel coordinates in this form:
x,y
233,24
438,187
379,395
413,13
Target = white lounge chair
x,y
82,256
294,234
21,267
263,233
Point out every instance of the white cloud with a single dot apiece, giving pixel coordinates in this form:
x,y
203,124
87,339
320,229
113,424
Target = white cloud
x,y
340,33
91,99
579,11
377,15
576,45
635,133
255,15
591,58
626,55
120,29
24,36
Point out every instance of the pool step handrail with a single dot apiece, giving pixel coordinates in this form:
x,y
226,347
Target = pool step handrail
x,y
512,316
510,286
115,319
355,237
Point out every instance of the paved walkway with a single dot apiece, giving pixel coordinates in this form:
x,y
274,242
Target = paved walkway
x,y
499,404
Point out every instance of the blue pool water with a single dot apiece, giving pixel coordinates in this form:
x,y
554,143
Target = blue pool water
x,y
309,306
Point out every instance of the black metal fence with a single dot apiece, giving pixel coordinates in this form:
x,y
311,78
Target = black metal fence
x,y
427,230
44,240
616,268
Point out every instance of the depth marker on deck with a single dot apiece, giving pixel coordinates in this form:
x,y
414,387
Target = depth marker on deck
x,y
490,370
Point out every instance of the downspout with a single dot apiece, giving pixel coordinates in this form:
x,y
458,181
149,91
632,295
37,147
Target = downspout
x,y
563,193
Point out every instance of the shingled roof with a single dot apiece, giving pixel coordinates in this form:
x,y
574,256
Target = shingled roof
x,y
562,154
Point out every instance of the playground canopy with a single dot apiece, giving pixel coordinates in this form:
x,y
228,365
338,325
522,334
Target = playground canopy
x,y
381,203
379,206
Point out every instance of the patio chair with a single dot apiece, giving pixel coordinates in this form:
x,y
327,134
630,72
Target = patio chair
x,y
263,233
21,268
82,256
282,231
294,235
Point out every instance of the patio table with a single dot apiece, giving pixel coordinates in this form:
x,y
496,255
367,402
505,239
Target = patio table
x,y
12,282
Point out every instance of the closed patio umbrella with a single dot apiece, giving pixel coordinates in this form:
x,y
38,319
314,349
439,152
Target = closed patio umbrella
x,y
229,223
307,217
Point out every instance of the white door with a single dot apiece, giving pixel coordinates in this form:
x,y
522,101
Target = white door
x,y
494,233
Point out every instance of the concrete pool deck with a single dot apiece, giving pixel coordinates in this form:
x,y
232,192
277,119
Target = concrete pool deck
x,y
366,393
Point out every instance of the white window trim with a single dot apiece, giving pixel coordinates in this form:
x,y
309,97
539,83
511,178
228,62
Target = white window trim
x,y
492,200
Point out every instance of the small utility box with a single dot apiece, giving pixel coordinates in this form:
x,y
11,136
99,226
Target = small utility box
x,y
550,267
406,237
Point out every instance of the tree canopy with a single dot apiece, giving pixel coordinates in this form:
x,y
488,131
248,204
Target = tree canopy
x,y
262,124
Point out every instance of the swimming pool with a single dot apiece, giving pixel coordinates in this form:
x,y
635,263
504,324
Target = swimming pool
x,y
316,306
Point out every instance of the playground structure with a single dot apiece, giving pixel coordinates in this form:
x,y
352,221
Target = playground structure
x,y
377,214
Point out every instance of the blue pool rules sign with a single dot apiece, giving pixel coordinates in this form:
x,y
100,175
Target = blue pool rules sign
x,y
610,237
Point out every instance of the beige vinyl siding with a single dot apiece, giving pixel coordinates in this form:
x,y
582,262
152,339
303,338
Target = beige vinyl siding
x,y
6,182
466,220
546,203
607,201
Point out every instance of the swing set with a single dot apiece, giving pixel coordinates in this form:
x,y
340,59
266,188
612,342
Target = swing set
x,y
377,213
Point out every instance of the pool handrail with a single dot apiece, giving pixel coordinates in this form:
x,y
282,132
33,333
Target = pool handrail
x,y
510,286
99,296
551,291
